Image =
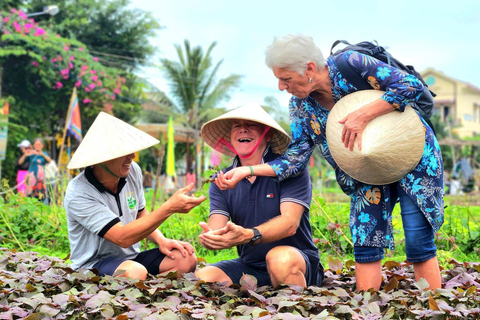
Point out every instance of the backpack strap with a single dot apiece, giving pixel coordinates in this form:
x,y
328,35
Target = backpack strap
x,y
350,74
337,43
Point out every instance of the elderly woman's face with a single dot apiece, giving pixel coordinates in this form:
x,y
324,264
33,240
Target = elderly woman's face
x,y
293,82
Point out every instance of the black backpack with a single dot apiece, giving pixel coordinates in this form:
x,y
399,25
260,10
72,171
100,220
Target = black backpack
x,y
424,104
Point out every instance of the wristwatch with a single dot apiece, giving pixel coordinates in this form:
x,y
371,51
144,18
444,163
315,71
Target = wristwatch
x,y
257,237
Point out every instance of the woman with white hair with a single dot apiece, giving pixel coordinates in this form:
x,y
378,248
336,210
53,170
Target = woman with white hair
x,y
316,86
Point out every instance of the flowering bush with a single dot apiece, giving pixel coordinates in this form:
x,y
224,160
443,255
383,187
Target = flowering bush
x,y
58,60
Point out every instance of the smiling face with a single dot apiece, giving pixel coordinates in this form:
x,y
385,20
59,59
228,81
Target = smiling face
x,y
293,82
120,166
245,135
38,145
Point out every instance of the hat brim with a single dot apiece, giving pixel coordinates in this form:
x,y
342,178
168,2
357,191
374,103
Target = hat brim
x,y
109,138
392,144
220,127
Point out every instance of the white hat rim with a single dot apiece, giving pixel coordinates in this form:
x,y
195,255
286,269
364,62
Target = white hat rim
x,y
109,138
392,144
220,127
25,143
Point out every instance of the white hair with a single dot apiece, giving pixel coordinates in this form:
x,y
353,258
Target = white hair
x,y
293,52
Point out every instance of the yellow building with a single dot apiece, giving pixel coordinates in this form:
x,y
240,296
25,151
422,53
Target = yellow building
x,y
456,101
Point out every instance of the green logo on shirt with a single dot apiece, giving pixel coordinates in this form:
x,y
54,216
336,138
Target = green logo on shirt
x,y
131,200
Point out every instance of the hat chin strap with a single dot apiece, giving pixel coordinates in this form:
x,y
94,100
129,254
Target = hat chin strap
x,y
108,170
229,145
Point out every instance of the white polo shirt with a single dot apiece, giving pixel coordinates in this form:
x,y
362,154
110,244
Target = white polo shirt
x,y
92,210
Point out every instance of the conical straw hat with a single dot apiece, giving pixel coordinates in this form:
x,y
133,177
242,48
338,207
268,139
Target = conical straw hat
x,y
109,138
392,144
220,127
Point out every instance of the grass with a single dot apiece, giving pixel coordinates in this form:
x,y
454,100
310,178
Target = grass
x,y
28,225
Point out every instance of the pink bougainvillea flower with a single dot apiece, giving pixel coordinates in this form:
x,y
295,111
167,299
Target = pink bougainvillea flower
x,y
5,20
94,78
13,10
17,27
35,63
44,58
99,84
93,71
6,32
28,25
84,67
72,58
117,90
92,86
39,32
102,73
59,85
87,100
80,49
66,48
78,83
87,89
54,60
70,65
95,59
22,15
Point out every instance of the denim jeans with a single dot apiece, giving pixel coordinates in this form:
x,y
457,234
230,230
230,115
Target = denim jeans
x,y
419,235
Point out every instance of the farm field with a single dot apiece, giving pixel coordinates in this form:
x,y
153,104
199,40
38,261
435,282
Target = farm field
x,y
36,281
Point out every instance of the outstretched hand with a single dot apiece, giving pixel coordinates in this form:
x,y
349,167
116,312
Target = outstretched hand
x,y
181,202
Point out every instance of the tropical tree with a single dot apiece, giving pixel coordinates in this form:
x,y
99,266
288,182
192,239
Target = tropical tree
x,y
195,92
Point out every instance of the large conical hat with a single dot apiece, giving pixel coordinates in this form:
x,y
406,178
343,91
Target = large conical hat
x,y
392,144
109,138
220,127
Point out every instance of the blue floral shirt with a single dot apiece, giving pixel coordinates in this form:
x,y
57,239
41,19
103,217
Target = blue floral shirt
x,y
371,206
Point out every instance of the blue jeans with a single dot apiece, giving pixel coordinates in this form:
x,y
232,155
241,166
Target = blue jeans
x,y
419,235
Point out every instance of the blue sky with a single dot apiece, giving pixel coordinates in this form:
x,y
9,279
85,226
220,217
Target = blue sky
x,y
444,35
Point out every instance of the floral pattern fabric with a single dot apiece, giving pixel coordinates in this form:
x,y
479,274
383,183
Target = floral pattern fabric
x,y
371,206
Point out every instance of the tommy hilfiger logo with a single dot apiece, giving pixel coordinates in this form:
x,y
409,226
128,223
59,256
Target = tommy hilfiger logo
x,y
270,195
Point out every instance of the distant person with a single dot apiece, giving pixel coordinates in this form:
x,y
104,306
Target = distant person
x,y
36,187
106,209
22,165
267,221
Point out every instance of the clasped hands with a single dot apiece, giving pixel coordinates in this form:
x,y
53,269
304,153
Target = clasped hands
x,y
229,236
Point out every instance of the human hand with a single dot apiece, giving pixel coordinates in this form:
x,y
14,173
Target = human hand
x,y
181,202
168,245
229,236
206,229
230,179
353,125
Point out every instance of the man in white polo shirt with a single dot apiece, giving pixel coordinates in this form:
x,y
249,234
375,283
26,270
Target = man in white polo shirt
x,y
106,208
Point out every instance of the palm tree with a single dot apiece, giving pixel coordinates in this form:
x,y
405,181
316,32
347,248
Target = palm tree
x,y
194,90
